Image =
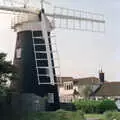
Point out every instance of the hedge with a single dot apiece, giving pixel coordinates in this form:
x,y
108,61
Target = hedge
x,y
93,106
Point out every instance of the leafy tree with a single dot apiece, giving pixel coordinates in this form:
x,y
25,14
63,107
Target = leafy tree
x,y
85,91
75,94
7,73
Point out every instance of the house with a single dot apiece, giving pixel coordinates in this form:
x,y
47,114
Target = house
x,y
92,82
66,88
69,86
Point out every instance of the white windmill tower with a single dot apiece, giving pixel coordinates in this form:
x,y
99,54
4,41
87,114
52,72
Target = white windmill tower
x,y
34,53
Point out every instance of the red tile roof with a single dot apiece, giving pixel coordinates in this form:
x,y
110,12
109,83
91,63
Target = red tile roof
x,y
87,81
109,89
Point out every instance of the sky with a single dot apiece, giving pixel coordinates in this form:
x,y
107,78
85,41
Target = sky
x,y
81,53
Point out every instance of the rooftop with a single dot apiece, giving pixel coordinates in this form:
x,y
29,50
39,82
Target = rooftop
x,y
109,89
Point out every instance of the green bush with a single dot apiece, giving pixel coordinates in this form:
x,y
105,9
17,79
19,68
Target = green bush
x,y
58,115
92,106
112,115
107,105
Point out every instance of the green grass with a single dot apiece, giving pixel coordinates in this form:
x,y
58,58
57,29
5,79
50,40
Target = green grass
x,y
112,115
100,116
58,115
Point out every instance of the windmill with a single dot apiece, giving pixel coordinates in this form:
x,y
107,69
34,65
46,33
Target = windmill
x,y
34,52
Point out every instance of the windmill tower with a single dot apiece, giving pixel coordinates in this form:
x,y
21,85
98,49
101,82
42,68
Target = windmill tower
x,y
33,52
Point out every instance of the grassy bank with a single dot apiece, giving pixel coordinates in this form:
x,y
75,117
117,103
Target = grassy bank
x,y
58,115
99,116
64,115
110,115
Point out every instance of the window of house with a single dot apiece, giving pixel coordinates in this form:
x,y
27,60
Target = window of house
x,y
18,53
68,85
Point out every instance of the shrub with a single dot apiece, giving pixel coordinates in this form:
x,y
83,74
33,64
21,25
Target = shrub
x,y
107,105
92,106
112,115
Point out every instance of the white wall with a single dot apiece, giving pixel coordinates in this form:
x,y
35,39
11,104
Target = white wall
x,y
67,95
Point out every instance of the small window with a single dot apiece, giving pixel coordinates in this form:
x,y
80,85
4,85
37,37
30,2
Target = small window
x,y
18,53
68,86
50,97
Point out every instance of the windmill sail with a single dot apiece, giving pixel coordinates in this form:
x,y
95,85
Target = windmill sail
x,y
63,17
78,20
17,9
18,6
17,3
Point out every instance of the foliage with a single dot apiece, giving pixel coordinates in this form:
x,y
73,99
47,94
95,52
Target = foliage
x,y
7,73
58,115
85,91
75,92
92,106
112,115
106,105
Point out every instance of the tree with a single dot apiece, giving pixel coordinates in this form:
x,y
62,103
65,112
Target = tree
x,y
85,91
7,73
75,94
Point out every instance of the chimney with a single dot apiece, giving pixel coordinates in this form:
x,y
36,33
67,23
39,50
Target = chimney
x,y
101,76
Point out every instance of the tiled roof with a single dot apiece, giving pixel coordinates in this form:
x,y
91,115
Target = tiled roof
x,y
109,89
87,81
80,81
64,79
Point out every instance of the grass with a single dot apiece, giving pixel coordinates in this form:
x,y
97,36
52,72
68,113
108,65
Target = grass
x,y
99,116
58,115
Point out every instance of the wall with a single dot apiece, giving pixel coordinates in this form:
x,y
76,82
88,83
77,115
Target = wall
x,y
27,103
67,95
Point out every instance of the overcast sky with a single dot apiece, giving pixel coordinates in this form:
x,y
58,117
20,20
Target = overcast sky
x,y
81,53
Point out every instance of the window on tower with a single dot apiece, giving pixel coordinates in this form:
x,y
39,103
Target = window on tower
x,y
18,53
50,97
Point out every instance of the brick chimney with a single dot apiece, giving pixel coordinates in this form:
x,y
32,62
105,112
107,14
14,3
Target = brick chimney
x,y
101,76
